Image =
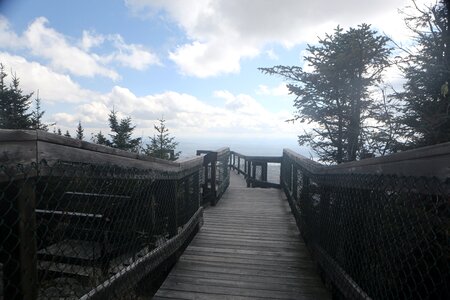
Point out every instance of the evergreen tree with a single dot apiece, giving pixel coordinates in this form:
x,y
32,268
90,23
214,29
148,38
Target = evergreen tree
x,y
121,136
100,139
58,132
37,114
67,134
122,131
4,98
162,145
14,104
80,130
427,73
335,96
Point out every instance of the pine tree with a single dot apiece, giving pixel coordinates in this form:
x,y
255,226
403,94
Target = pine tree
x,y
427,73
122,131
162,145
335,95
37,114
14,104
100,139
67,134
80,130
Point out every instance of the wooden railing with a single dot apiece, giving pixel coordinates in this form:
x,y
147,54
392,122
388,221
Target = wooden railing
x,y
254,169
379,228
77,209
216,174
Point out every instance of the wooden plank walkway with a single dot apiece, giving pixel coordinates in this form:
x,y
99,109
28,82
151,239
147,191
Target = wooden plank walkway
x,y
248,248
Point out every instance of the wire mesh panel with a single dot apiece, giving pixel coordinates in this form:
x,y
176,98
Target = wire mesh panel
x,y
73,229
380,236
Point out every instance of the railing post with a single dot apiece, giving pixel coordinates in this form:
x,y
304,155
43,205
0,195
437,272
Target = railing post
x,y
213,193
239,164
264,171
253,176
19,241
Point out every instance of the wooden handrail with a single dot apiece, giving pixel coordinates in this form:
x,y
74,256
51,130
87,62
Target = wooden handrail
x,y
431,161
34,146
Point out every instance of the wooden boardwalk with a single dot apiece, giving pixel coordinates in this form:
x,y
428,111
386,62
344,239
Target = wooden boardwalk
x,y
248,248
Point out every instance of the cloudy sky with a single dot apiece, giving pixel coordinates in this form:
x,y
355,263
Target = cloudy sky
x,y
194,62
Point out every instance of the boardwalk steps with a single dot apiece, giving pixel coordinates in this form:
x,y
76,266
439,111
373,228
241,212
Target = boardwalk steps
x,y
249,247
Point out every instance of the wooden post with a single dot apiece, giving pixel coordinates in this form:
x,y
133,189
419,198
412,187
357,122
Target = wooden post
x,y
239,164
245,166
213,193
264,171
197,195
19,241
253,176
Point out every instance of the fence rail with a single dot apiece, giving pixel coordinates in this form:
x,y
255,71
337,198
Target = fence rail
x,y
379,228
255,169
83,220
216,174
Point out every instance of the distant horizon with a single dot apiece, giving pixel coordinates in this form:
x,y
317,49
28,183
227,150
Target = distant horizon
x,y
250,146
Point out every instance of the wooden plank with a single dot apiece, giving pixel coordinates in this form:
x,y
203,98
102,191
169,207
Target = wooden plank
x,y
248,248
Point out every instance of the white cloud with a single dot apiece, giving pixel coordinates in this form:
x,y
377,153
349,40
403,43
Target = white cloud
x,y
186,115
53,87
132,55
46,42
8,38
66,55
91,39
280,90
223,32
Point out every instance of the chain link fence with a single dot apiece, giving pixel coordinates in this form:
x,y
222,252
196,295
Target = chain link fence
x,y
379,236
70,227
94,223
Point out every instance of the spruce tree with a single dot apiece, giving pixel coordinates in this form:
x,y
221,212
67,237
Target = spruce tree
x,y
37,114
335,96
80,130
162,145
67,134
121,136
14,104
427,73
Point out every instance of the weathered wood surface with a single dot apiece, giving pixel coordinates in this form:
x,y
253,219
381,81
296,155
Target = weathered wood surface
x,y
248,248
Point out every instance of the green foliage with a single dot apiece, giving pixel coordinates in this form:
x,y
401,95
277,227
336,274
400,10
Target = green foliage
x,y
121,136
79,132
427,73
162,145
336,95
122,131
36,116
67,134
14,104
100,139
